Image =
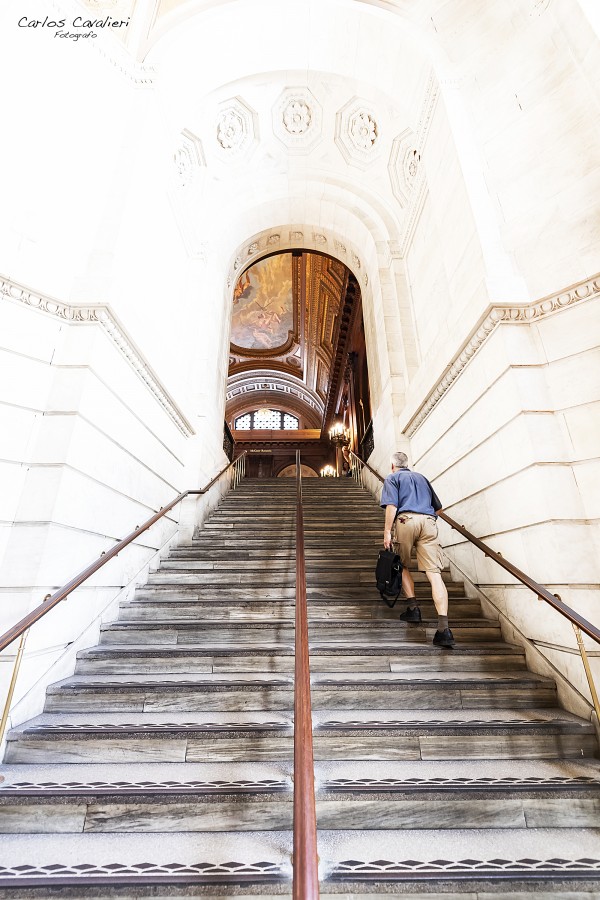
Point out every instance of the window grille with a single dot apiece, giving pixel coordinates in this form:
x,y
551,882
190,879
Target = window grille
x,y
244,423
267,419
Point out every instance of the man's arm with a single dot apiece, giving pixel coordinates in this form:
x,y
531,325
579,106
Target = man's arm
x,y
435,500
390,515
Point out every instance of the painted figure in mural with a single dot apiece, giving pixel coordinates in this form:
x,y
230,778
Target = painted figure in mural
x,y
263,305
243,288
411,507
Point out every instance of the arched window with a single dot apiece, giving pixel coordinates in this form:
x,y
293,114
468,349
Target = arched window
x,y
267,419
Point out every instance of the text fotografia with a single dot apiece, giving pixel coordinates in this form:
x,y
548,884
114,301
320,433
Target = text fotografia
x,y
83,28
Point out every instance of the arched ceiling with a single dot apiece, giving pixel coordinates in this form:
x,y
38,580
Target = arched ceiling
x,y
287,319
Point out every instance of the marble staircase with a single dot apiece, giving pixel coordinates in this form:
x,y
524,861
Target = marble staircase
x,y
162,767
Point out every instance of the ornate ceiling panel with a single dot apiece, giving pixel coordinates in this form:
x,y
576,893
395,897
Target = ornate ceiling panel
x,y
285,319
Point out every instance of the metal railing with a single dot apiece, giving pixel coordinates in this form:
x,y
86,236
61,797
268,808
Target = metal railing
x,y
236,470
228,442
579,623
305,860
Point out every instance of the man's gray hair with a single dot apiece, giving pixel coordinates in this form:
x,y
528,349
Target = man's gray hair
x,y
399,460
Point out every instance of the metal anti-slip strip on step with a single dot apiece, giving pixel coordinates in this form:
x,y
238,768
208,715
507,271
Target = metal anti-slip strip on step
x,y
170,727
100,686
265,784
261,789
429,785
450,726
467,869
142,873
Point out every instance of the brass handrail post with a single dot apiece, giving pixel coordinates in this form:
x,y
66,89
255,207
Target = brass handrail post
x,y
588,669
13,683
305,864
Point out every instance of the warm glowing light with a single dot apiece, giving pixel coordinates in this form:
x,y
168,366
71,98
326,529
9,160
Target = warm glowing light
x,y
338,434
327,472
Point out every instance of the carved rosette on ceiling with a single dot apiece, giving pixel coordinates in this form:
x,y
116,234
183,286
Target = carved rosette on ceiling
x,y
357,133
188,158
237,128
404,166
297,117
189,167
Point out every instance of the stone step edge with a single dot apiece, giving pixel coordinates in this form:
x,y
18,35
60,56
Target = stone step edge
x,y
417,728
262,624
148,875
273,649
282,791
479,874
470,684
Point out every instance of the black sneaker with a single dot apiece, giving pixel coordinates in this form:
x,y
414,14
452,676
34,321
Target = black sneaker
x,y
443,638
411,615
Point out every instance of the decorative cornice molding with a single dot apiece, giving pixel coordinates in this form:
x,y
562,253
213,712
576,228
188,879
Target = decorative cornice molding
x,y
109,48
525,314
99,315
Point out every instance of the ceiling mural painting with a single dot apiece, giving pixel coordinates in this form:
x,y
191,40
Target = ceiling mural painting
x,y
287,316
263,306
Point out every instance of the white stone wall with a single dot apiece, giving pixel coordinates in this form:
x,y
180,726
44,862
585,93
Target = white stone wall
x,y
118,193
88,453
512,447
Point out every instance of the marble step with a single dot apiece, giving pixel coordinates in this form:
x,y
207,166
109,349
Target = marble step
x,y
251,632
353,735
320,508
272,524
283,577
444,734
276,564
344,594
409,659
144,608
235,551
80,807
322,562
268,527
479,864
317,559
144,865
272,693
152,740
218,552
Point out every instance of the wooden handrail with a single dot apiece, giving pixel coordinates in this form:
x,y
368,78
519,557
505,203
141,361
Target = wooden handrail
x,y
53,599
542,592
305,860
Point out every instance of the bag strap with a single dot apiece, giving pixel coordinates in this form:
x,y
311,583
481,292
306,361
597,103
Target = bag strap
x,y
389,603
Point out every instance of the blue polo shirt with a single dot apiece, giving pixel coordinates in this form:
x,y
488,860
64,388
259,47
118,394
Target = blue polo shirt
x,y
409,492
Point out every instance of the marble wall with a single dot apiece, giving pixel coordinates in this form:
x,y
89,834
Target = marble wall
x,y
474,189
511,446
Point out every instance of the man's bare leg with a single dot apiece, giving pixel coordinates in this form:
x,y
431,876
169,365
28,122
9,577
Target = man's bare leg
x,y
438,591
408,585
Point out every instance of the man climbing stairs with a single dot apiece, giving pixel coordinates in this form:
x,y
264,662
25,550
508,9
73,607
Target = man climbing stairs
x,y
162,767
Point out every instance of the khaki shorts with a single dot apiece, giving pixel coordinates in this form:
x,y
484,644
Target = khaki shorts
x,y
416,530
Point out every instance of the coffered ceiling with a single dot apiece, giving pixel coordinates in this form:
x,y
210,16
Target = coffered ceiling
x,y
285,326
